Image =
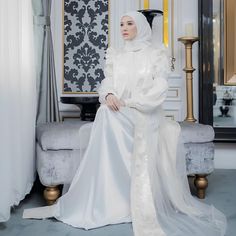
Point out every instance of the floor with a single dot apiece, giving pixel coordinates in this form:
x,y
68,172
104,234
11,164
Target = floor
x,y
228,121
221,193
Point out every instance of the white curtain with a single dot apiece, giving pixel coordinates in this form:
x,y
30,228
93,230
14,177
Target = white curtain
x,y
17,103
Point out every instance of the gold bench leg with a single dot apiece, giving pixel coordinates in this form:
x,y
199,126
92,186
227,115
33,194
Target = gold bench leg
x,y
201,184
51,194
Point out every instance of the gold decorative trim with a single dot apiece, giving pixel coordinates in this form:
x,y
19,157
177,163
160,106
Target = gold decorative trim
x,y
62,36
51,194
201,183
229,39
70,117
146,4
225,54
165,23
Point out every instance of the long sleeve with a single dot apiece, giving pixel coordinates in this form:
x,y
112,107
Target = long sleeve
x,y
107,83
153,92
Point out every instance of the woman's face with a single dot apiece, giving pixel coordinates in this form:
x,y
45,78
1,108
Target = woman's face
x,y
128,28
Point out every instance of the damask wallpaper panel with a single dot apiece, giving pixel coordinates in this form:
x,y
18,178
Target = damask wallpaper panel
x,y
85,43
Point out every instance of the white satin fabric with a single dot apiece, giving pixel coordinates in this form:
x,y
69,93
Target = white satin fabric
x,y
130,170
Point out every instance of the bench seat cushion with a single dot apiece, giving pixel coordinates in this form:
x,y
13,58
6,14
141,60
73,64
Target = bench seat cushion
x,y
196,133
60,135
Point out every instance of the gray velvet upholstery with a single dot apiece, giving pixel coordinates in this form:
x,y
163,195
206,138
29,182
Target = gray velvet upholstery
x,y
198,141
58,154
196,133
57,167
59,135
199,158
58,151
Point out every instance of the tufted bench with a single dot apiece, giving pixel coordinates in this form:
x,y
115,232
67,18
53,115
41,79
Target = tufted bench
x,y
198,142
58,154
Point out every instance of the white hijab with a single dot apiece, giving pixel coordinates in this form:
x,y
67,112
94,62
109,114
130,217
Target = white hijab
x,y
144,32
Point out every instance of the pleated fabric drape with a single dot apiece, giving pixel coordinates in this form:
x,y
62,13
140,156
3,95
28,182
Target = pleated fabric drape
x,y
47,106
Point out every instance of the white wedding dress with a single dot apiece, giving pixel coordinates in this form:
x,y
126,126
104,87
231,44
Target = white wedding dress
x,y
133,168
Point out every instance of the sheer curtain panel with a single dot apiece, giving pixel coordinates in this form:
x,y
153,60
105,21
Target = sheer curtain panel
x,y
17,103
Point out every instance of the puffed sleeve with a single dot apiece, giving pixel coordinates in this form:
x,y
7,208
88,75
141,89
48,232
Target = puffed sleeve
x,y
107,83
154,89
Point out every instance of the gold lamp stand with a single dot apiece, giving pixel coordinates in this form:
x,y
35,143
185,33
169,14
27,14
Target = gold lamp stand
x,y
188,42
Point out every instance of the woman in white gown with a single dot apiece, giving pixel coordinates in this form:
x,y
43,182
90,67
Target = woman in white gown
x,y
133,169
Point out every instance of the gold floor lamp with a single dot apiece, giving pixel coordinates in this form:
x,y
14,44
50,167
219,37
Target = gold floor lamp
x,y
200,182
188,41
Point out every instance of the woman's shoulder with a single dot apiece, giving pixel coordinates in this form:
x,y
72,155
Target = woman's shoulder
x,y
157,51
158,55
159,59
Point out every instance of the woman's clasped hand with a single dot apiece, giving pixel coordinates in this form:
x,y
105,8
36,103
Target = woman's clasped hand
x,y
113,102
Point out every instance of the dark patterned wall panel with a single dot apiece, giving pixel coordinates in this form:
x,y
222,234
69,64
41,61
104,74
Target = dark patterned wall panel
x,y
85,42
